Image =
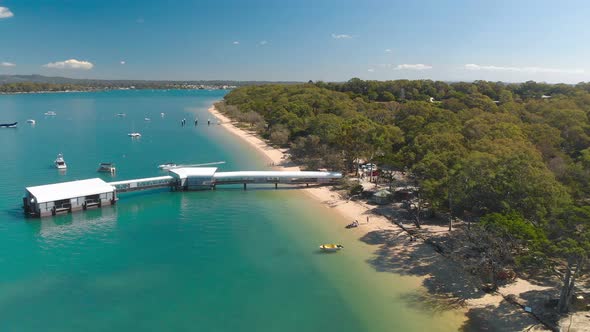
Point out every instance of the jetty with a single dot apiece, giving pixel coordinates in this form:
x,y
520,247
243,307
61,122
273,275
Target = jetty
x,y
66,197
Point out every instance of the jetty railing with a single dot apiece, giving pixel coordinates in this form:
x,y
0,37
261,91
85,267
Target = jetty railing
x,y
145,183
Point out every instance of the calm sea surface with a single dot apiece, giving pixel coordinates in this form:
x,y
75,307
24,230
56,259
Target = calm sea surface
x,y
225,260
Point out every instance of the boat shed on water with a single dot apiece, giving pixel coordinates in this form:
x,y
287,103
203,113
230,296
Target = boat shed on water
x,y
51,199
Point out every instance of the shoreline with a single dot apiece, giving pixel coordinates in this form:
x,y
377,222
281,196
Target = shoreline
x,y
480,308
350,210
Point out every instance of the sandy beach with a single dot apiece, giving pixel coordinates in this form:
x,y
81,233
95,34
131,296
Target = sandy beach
x,y
442,277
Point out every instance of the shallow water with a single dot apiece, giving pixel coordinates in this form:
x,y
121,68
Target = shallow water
x,y
224,260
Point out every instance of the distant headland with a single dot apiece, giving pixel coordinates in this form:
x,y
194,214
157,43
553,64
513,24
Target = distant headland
x,y
10,84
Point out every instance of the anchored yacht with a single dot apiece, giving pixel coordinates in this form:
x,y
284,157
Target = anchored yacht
x,y
59,162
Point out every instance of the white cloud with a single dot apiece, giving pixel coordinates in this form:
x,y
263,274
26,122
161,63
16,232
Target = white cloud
x,y
263,42
122,62
417,66
5,13
341,36
7,64
388,50
70,64
472,66
236,43
371,70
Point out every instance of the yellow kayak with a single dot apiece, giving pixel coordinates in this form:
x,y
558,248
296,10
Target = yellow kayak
x,y
331,247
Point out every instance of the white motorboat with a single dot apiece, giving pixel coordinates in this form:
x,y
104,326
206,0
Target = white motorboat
x,y
134,135
59,162
50,113
147,119
167,166
31,121
121,114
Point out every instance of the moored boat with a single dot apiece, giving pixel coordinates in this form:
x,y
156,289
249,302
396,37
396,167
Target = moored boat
x,y
31,121
8,125
134,135
59,162
331,247
167,166
106,168
50,113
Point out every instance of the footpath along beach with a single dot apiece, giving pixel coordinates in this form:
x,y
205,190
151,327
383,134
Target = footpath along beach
x,y
447,284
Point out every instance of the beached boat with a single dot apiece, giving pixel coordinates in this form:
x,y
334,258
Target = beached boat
x,y
106,168
167,166
331,247
59,162
50,113
134,135
31,121
8,125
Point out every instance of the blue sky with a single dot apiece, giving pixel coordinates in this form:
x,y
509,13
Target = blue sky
x,y
297,40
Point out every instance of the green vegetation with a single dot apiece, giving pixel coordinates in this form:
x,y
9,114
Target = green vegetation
x,y
514,156
25,87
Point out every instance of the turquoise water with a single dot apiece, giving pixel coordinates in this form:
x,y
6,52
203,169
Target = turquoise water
x,y
225,260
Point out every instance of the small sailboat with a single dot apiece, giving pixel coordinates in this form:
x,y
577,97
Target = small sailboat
x,y
134,135
162,114
31,121
331,247
50,113
59,162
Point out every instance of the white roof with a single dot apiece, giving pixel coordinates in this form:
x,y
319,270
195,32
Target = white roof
x,y
72,189
184,172
280,174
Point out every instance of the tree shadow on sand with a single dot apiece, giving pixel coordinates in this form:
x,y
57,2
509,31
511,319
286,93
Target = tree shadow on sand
x,y
397,254
500,318
448,285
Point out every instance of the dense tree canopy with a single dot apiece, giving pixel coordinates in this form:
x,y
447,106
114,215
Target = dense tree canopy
x,y
515,155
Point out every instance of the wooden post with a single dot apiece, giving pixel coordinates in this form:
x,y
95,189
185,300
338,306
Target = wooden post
x,y
244,186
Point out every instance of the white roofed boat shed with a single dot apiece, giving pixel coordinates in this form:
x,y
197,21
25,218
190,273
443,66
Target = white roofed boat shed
x,y
70,196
